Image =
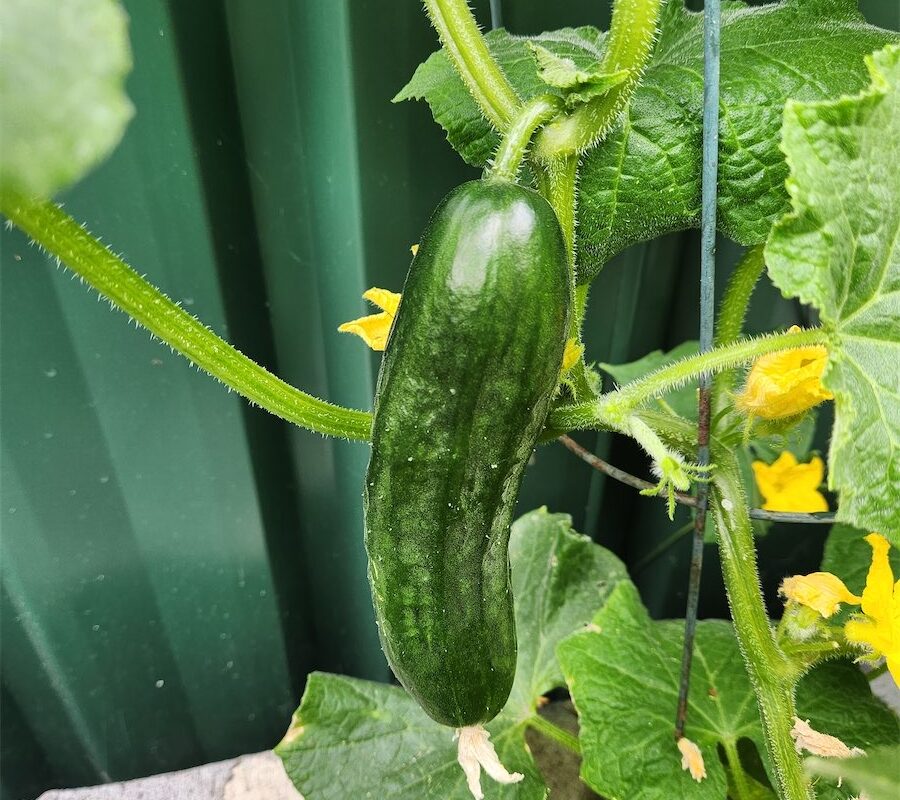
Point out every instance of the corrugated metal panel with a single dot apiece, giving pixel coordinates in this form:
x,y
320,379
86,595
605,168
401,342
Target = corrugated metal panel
x,y
174,563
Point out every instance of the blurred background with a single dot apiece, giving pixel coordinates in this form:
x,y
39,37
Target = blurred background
x,y
175,562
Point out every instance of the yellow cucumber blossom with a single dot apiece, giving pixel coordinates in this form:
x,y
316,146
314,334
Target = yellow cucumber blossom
x,y
786,383
878,628
374,328
821,591
787,485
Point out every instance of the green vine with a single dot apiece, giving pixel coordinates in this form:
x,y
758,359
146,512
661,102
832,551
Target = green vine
x,y
770,670
464,44
60,235
733,311
632,33
514,146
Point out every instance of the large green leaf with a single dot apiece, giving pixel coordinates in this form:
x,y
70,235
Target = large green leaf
x,y
623,673
877,773
839,249
62,90
644,179
353,738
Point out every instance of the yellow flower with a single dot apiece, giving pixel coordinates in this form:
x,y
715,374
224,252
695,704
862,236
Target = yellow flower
x,y
786,383
821,591
879,628
374,329
787,485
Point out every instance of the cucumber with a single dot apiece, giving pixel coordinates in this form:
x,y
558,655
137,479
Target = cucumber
x,y
465,385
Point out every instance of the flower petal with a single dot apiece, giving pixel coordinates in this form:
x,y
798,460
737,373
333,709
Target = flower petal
x,y
384,299
692,759
572,353
785,383
375,328
475,752
879,629
821,591
820,744
877,597
787,485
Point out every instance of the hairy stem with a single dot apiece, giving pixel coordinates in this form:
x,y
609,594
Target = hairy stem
x,y
558,183
733,310
770,671
629,44
554,732
512,150
612,409
626,399
460,37
63,237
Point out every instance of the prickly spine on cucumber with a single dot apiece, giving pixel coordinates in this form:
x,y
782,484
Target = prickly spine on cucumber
x,y
465,385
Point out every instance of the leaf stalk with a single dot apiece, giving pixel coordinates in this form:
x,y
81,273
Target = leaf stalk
x,y
467,50
61,236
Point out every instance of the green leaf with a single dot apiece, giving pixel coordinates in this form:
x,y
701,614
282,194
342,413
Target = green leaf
x,y
62,73
644,179
839,249
578,85
354,738
876,773
623,673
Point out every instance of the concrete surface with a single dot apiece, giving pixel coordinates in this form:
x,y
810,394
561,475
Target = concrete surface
x,y
255,777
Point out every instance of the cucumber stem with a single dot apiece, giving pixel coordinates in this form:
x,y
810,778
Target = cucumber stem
x,y
469,54
61,236
623,401
554,732
741,785
629,45
612,409
733,310
771,673
511,152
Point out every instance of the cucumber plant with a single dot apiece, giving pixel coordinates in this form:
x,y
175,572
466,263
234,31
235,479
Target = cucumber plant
x,y
590,142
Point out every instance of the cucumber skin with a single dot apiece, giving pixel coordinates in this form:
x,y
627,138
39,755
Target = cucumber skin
x,y
465,385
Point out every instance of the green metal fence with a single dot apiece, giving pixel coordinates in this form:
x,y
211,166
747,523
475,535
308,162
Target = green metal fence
x,y
174,562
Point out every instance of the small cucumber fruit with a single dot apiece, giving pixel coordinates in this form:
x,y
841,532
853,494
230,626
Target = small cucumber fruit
x,y
465,385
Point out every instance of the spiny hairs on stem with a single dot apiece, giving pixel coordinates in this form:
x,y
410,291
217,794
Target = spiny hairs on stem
x,y
673,376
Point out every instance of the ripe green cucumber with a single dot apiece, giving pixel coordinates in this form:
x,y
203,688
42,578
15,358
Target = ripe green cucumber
x,y
465,385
